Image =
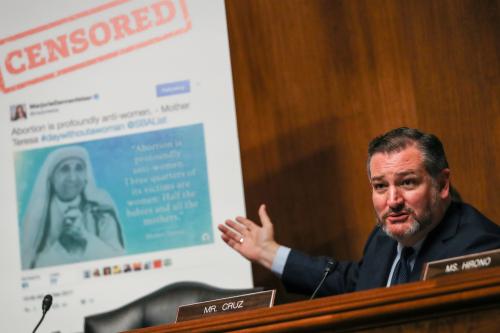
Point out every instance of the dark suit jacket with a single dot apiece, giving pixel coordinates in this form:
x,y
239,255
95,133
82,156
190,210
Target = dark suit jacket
x,y
463,230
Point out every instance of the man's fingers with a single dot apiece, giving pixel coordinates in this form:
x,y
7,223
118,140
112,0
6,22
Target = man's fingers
x,y
239,227
249,224
225,238
231,242
264,218
229,233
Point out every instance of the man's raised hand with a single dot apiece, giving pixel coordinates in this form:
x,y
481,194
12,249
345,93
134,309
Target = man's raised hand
x,y
254,242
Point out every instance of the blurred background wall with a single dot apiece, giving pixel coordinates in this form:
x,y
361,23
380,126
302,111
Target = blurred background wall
x,y
315,80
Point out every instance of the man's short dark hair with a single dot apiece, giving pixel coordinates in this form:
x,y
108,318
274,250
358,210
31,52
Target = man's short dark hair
x,y
400,138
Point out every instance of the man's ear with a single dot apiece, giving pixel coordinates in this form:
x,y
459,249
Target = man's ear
x,y
444,183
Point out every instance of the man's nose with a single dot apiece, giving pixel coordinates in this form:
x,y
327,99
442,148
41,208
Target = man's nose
x,y
395,199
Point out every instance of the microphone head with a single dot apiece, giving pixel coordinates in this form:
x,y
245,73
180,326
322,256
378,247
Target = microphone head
x,y
46,303
329,265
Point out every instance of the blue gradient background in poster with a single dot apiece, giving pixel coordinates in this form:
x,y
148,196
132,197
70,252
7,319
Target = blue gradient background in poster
x,y
169,172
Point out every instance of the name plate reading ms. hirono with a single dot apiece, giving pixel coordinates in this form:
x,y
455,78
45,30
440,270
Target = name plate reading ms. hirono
x,y
460,264
261,299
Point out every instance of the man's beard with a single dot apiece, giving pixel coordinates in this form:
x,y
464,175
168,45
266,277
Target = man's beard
x,y
416,224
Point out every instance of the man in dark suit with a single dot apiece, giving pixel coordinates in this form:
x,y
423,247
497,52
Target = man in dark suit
x,y
417,221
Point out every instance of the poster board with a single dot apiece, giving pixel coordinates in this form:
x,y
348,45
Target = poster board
x,y
120,154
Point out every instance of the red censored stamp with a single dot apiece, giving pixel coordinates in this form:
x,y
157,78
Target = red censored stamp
x,y
89,37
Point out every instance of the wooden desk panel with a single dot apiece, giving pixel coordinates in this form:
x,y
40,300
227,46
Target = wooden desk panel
x,y
466,302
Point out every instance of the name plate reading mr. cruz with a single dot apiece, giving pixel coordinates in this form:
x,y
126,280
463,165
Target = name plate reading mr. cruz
x,y
261,299
460,264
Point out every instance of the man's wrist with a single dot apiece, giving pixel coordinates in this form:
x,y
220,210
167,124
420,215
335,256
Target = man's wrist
x,y
268,254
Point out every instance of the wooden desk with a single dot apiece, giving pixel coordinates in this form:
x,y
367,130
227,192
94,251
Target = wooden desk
x,y
465,302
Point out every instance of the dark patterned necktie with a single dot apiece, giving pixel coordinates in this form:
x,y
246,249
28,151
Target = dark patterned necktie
x,y
403,269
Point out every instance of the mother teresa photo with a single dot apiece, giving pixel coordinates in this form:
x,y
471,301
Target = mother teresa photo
x,y
68,219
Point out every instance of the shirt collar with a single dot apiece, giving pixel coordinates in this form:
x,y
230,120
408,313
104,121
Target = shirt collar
x,y
416,247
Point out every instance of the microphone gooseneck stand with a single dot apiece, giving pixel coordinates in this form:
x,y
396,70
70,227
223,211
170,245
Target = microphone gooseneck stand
x,y
46,303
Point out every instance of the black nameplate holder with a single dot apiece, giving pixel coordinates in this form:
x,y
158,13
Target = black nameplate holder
x,y
480,260
261,299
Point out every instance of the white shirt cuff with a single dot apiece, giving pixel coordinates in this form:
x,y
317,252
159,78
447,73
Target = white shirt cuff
x,y
280,260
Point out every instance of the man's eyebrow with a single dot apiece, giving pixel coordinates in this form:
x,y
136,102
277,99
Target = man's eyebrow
x,y
375,178
399,174
406,173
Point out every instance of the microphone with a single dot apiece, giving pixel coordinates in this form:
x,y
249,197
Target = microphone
x,y
329,267
46,303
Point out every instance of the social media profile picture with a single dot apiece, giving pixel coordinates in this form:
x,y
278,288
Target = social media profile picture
x,y
18,112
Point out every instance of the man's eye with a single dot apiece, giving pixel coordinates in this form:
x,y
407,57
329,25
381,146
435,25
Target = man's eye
x,y
409,182
379,186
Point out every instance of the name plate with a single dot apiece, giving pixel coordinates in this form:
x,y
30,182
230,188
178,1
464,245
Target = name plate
x,y
261,299
480,260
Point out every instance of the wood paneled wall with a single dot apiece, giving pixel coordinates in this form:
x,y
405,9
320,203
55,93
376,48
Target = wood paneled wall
x,y
315,80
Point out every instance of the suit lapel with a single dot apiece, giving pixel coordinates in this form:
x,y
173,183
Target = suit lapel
x,y
433,247
377,263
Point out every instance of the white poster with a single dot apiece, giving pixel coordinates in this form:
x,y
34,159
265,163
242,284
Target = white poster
x,y
119,155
